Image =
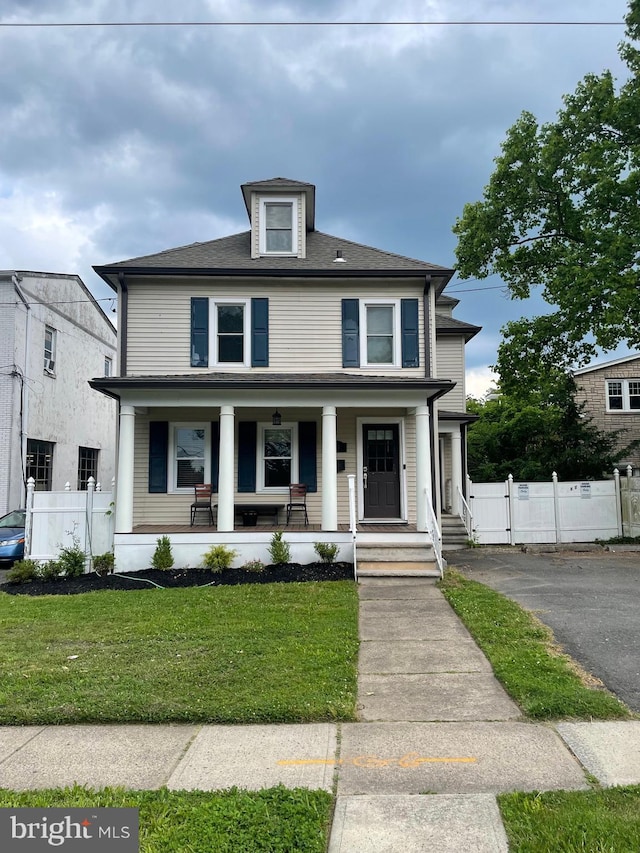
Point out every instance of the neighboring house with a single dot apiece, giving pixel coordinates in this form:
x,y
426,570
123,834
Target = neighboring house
x,y
54,337
278,355
611,394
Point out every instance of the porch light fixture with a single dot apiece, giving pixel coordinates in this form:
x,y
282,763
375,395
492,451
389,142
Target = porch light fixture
x,y
276,418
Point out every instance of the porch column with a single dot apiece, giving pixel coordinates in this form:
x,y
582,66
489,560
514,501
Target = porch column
x,y
329,469
124,483
225,469
456,471
423,467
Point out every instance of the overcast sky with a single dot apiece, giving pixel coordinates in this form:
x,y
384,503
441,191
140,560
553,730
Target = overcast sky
x,y
122,141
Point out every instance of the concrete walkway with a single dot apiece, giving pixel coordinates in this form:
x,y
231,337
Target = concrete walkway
x,y
437,740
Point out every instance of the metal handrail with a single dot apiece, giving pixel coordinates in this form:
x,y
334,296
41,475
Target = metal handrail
x,y
353,520
466,514
436,535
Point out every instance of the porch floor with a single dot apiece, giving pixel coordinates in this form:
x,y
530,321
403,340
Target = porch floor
x,y
261,528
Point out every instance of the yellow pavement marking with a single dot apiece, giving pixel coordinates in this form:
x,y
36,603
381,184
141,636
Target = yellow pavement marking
x,y
408,760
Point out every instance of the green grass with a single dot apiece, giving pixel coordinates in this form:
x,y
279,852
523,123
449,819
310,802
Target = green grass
x,y
273,820
230,654
573,821
540,679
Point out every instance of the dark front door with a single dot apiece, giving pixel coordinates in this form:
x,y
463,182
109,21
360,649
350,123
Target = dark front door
x,y
381,470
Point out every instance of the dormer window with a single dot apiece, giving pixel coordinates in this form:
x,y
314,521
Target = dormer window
x,y
278,226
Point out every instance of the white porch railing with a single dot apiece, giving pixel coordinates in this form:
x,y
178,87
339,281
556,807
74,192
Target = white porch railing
x,y
434,530
353,521
465,513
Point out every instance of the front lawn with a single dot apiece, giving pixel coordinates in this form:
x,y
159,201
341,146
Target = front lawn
x,y
274,820
232,654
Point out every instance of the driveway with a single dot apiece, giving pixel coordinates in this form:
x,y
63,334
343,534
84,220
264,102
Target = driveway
x,y
590,599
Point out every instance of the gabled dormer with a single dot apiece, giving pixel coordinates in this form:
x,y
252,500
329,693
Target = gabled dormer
x,y
281,212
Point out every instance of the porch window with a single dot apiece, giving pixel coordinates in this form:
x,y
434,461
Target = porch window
x,y
277,462
381,340
190,455
623,395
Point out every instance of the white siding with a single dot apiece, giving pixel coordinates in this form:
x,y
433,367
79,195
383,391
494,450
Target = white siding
x,y
451,366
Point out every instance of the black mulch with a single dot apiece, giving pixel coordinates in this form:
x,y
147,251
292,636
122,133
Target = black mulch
x,y
287,573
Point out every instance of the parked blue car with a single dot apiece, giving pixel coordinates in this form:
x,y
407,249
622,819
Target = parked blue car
x,y
12,537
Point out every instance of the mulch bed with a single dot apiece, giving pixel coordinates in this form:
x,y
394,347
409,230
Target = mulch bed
x,y
287,573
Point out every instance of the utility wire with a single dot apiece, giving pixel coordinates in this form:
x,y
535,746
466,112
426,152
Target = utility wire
x,y
61,24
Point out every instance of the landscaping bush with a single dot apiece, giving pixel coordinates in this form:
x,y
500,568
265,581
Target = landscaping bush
x,y
162,556
279,550
50,571
326,551
256,566
72,560
104,564
23,571
218,557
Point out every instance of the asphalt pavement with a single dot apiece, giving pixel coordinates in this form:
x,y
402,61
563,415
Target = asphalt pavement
x,y
588,596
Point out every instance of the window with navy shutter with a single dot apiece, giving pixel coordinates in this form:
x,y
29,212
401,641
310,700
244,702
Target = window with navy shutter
x,y
259,332
410,344
247,438
350,333
158,449
199,332
307,462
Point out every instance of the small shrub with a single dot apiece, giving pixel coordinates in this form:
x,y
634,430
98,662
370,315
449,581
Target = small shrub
x,y
218,557
72,560
279,550
326,551
103,564
254,566
23,571
163,555
50,571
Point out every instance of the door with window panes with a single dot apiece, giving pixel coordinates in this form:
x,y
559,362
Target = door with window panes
x,y
381,470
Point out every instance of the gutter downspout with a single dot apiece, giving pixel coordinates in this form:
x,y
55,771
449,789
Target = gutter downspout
x,y
123,307
24,391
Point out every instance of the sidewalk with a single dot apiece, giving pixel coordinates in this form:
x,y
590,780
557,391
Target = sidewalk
x,y
438,739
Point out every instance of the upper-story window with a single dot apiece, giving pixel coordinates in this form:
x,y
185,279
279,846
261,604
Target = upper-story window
x,y
108,366
49,349
380,341
229,339
623,395
278,226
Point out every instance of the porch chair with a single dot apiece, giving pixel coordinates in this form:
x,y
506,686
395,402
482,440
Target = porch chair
x,y
202,501
297,501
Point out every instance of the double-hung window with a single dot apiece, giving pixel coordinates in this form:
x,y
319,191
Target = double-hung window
x,y
380,341
623,395
229,338
278,226
49,349
190,456
87,466
277,456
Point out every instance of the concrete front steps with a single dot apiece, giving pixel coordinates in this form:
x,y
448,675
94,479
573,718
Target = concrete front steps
x,y
454,533
396,555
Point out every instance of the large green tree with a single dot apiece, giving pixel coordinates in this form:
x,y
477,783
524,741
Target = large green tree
x,y
562,212
533,434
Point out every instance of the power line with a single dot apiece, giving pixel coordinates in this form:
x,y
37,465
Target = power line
x,y
62,24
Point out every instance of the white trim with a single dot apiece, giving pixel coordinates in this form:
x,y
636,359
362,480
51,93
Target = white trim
x,y
402,474
582,370
213,332
626,404
173,468
262,221
276,490
397,331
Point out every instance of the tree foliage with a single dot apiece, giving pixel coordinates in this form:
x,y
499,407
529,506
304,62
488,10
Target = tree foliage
x,y
533,434
562,211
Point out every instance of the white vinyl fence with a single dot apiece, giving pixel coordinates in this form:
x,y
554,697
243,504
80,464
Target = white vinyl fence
x,y
58,520
513,513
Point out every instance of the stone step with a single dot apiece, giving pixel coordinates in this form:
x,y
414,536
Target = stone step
x,y
388,553
398,569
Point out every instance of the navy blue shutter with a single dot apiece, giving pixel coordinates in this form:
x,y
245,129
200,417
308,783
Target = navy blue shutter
x,y
158,452
409,321
307,463
215,454
259,332
247,437
350,333
199,332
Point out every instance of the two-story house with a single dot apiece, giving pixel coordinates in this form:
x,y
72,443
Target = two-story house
x,y
610,392
54,337
286,355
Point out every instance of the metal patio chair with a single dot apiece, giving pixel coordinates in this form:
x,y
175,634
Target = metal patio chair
x,y
297,501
